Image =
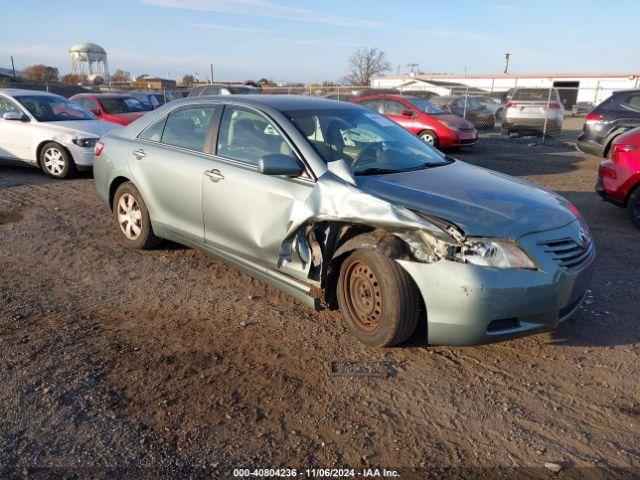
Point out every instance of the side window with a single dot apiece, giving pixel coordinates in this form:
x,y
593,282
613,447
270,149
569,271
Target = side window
x,y
87,104
246,136
189,127
633,101
7,106
393,108
154,132
210,91
372,105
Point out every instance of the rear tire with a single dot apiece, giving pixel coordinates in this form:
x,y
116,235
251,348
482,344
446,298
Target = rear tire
x,y
132,218
429,137
55,161
378,300
633,207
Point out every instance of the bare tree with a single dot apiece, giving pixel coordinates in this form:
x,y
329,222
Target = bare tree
x,y
41,73
187,81
365,64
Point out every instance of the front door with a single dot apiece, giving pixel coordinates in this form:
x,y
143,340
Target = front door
x,y
15,136
395,110
247,213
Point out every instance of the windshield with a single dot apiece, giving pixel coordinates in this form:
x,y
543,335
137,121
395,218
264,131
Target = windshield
x,y
424,106
122,105
368,142
244,90
50,108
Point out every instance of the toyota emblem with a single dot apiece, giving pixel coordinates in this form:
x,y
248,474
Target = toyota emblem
x,y
583,237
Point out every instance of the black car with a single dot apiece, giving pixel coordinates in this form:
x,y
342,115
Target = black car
x,y
468,108
616,115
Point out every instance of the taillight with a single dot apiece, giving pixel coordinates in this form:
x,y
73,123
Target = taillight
x,y
509,105
97,150
554,106
594,117
621,147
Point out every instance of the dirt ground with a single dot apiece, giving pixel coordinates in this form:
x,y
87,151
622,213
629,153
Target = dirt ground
x,y
169,363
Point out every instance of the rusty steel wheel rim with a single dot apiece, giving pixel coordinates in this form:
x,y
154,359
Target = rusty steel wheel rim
x,y
363,296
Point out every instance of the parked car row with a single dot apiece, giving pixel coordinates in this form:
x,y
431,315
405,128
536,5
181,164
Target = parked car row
x,y
331,202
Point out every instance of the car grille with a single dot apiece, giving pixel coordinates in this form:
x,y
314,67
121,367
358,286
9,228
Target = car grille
x,y
467,141
464,129
567,253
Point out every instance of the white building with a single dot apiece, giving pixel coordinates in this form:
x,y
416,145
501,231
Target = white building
x,y
572,87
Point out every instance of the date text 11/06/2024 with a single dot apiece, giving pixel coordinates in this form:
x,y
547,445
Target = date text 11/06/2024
x,y
316,473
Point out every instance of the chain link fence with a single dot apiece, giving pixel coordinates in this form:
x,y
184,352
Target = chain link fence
x,y
548,113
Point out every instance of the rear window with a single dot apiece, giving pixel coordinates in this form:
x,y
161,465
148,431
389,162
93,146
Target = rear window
x,y
534,94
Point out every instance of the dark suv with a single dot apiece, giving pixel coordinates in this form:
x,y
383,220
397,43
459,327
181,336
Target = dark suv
x,y
616,115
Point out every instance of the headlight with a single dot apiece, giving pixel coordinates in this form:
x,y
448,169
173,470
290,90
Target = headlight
x,y
85,142
448,124
494,253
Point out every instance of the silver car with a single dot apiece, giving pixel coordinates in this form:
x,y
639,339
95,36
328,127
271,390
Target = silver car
x,y
533,110
343,208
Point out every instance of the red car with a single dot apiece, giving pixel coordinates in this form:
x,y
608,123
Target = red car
x,y
619,177
112,107
423,118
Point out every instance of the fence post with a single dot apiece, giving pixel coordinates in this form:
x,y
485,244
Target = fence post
x,y
546,116
466,94
595,98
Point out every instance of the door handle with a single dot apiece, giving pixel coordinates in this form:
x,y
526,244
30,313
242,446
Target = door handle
x,y
139,154
214,175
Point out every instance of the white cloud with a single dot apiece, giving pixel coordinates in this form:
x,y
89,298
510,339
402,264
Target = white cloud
x,y
446,33
263,8
227,28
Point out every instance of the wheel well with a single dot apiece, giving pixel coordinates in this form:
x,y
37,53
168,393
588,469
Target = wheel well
x,y
114,186
42,144
631,192
353,238
614,135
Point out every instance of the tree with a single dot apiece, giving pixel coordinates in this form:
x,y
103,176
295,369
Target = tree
x,y
121,76
72,79
365,64
98,80
41,73
187,81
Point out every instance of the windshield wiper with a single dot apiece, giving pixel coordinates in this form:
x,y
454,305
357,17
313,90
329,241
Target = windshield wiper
x,y
376,171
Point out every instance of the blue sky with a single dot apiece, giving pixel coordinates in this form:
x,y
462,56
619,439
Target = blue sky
x,y
312,40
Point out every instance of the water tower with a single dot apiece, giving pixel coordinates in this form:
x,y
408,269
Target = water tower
x,y
89,59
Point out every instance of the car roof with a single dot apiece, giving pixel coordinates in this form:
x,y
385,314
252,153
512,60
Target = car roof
x,y
390,96
103,95
279,102
17,92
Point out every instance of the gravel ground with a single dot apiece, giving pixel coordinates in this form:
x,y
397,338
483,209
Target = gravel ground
x,y
167,363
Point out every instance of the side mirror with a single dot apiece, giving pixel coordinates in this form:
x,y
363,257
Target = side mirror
x,y
278,164
15,116
407,113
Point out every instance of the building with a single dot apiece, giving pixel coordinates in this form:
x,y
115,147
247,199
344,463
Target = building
x,y
148,82
572,87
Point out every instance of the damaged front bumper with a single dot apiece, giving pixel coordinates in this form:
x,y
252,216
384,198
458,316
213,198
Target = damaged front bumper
x,y
470,305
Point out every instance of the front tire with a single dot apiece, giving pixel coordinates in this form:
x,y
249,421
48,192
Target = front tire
x,y
132,218
633,207
55,161
377,298
429,137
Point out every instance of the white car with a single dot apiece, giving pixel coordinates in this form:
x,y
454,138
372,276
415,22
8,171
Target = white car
x,y
47,130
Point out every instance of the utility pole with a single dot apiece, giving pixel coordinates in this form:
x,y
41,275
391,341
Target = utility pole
x,y
412,68
13,67
211,70
506,62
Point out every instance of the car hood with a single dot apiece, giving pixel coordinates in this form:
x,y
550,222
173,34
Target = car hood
x,y
479,201
454,119
91,128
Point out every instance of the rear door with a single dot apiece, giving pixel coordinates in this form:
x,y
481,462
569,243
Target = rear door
x,y
168,163
247,213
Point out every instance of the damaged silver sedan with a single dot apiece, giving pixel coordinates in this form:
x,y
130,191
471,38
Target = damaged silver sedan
x,y
342,208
